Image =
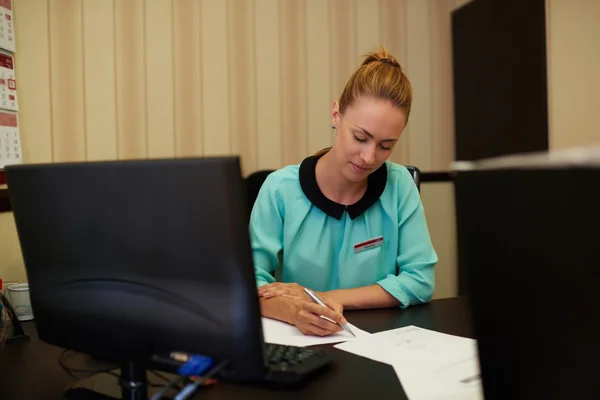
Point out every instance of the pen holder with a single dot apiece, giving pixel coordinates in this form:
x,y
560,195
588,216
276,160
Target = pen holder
x,y
10,327
4,321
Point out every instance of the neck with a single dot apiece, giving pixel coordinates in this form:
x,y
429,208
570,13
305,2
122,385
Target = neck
x,y
334,185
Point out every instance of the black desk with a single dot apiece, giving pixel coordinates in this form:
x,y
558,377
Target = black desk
x,y
29,369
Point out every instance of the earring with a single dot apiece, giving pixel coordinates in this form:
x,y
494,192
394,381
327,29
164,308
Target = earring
x,y
333,127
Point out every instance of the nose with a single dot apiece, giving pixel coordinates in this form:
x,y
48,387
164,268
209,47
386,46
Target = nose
x,y
368,155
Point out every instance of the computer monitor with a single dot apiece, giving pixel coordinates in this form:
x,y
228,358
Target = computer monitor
x,y
528,243
126,259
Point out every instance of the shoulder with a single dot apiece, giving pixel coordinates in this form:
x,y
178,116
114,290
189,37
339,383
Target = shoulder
x,y
282,180
286,176
400,181
401,191
398,173
287,173
270,200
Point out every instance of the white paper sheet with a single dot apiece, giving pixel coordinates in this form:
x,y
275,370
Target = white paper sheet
x,y
429,364
280,332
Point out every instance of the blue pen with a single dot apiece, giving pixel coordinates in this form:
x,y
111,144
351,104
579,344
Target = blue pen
x,y
320,302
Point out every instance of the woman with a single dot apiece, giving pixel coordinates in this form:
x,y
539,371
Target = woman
x,y
346,222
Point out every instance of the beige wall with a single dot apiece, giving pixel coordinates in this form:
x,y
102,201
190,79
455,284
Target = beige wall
x,y
97,80
573,32
438,200
101,80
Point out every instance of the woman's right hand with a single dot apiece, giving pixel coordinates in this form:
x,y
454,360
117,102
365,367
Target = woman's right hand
x,y
308,318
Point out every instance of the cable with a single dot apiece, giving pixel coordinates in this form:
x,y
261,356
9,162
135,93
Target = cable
x,y
191,388
161,376
164,378
90,372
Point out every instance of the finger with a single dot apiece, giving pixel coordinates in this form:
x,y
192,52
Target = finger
x,y
337,307
317,331
306,331
326,312
325,323
267,288
321,322
314,325
277,292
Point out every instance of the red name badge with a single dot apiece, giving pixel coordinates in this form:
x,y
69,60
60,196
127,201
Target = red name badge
x,y
368,244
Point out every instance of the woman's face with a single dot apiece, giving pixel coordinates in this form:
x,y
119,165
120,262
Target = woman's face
x,y
366,135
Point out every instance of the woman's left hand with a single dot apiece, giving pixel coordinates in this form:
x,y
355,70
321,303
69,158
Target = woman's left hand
x,y
291,290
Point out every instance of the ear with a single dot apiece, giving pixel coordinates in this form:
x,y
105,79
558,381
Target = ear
x,y
335,114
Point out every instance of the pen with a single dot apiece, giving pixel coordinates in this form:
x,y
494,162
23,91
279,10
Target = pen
x,y
320,302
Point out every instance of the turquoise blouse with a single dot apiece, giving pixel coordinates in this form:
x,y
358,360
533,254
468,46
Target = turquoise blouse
x,y
299,235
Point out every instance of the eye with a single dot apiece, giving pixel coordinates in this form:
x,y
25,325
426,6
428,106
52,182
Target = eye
x,y
359,139
385,147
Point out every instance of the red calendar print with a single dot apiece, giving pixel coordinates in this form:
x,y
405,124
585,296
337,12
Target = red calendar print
x,y
7,27
8,83
10,142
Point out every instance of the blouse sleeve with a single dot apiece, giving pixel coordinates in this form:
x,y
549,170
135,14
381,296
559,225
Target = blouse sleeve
x,y
416,257
266,230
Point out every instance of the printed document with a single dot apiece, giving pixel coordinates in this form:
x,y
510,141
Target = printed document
x,y
429,364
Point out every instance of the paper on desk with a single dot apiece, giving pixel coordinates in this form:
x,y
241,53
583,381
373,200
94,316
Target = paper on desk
x,y
280,332
429,364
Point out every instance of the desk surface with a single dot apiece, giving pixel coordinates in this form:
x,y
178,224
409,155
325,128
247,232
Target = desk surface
x,y
29,369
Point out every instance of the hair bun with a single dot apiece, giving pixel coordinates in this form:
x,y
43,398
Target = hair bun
x,y
380,77
388,61
381,55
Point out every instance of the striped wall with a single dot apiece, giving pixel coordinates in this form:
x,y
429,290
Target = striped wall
x,y
120,79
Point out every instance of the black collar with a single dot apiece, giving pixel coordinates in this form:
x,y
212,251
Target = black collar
x,y
308,182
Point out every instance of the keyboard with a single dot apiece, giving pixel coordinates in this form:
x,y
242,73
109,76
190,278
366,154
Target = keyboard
x,y
290,364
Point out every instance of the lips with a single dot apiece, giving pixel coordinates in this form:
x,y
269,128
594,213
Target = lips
x,y
359,169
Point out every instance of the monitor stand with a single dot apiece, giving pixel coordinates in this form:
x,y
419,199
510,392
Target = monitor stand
x,y
133,382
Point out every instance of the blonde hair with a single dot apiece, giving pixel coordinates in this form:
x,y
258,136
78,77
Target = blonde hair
x,y
379,76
